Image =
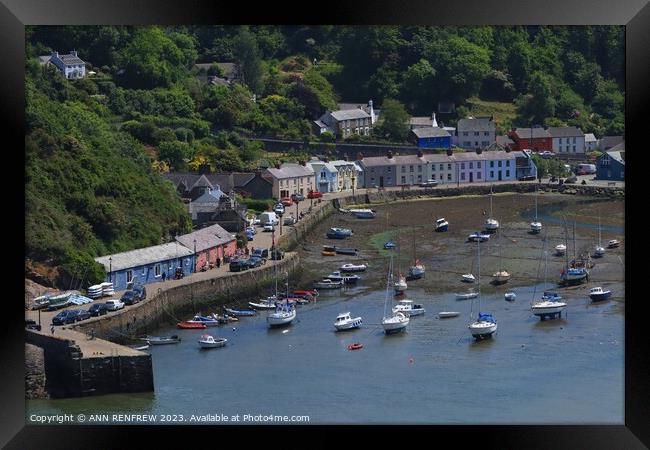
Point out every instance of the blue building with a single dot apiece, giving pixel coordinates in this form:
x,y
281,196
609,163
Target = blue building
x,y
431,137
146,265
611,165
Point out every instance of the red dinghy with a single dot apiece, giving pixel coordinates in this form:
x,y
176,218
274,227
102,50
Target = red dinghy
x,y
306,293
355,346
188,325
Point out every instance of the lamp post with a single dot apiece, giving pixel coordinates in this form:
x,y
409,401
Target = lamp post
x,y
110,269
297,210
280,216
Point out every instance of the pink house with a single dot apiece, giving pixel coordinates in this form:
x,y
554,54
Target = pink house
x,y
209,244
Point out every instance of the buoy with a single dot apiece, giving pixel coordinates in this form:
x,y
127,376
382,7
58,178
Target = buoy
x,y
233,328
411,360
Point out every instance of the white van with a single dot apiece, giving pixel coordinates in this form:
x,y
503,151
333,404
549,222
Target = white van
x,y
114,305
585,169
269,217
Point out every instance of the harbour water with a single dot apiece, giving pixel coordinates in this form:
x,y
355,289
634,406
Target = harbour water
x,y
564,371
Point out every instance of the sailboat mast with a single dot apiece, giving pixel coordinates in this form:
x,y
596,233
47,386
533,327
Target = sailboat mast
x,y
599,238
479,276
575,250
388,282
535,203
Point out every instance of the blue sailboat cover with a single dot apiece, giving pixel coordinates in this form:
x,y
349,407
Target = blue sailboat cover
x,y
487,317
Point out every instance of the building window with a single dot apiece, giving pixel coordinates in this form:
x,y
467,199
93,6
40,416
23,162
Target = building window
x,y
419,168
462,176
478,165
411,169
403,169
129,276
491,163
574,140
419,177
441,166
465,133
467,144
471,165
478,175
462,166
499,163
486,133
156,270
609,174
574,149
387,169
507,172
403,180
476,133
508,163
448,166
448,177
491,173
560,141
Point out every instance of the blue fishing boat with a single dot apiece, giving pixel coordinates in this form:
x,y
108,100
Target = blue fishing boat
x,y
390,245
442,225
597,294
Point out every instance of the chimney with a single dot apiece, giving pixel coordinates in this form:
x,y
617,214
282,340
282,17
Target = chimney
x,y
359,156
373,119
433,122
389,155
73,52
450,152
55,53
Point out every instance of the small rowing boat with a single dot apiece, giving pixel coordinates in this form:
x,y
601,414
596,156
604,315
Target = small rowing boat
x,y
355,346
447,314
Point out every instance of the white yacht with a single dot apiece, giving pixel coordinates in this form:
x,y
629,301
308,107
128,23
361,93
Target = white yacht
x,y
345,322
409,308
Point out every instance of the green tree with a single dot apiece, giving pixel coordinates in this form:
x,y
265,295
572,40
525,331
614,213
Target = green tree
x,y
395,119
247,55
418,85
175,153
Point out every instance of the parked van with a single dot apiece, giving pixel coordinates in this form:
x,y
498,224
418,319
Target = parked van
x,y
269,217
585,169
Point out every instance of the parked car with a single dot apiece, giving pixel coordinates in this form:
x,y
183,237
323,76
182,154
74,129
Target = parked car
x,y
268,227
314,194
546,154
527,178
98,309
238,265
289,220
82,314
32,325
260,253
429,183
297,197
249,236
277,254
251,230
114,305
286,201
279,208
254,261
140,291
64,317
130,298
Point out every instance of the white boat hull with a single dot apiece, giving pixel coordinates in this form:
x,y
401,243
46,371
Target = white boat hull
x,y
466,296
468,278
535,227
548,308
409,312
395,324
214,344
500,277
491,225
281,318
481,329
447,314
348,324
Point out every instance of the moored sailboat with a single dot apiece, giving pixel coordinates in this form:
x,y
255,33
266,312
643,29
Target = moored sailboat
x,y
485,324
397,322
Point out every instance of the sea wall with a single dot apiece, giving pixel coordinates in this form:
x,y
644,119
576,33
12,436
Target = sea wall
x,y
34,372
292,235
69,374
175,304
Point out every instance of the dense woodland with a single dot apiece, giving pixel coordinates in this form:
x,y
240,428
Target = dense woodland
x,y
95,147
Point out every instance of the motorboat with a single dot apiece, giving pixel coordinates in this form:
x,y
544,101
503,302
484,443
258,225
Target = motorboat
x,y
339,233
409,308
500,277
599,251
347,279
400,285
162,340
466,296
614,243
448,314
510,296
283,315
483,327
597,294
416,271
363,213
326,283
442,225
560,249
345,322
140,348
574,275
190,325
478,236
353,267
467,278
208,341
208,321
240,312
226,318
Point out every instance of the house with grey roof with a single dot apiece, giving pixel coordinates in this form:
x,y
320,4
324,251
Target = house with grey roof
x,y
208,245
71,66
346,122
290,178
347,174
567,140
611,165
608,142
476,132
146,265
591,143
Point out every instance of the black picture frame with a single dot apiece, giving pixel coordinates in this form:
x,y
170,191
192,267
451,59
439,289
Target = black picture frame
x,y
634,14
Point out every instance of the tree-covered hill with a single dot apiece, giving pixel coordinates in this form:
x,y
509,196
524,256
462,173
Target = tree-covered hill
x,y
95,147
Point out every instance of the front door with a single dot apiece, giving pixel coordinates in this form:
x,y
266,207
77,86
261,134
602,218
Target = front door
x,y
499,175
381,181
471,177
